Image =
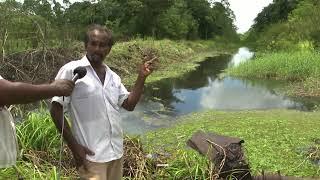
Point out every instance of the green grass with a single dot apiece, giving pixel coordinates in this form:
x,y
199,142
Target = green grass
x,y
272,141
300,67
281,65
30,171
39,145
38,132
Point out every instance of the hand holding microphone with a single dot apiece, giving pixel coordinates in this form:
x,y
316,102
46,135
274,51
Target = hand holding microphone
x,y
62,87
65,87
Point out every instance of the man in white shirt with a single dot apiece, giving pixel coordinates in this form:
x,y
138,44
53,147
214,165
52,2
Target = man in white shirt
x,y
20,93
96,140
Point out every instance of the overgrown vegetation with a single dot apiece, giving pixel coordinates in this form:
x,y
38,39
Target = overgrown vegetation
x,y
286,36
39,144
286,25
39,158
42,65
282,65
39,35
301,68
276,140
39,140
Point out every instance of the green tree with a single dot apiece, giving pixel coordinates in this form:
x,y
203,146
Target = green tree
x,y
277,11
213,18
39,7
177,22
304,21
224,21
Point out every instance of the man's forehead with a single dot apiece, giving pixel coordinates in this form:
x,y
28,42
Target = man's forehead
x,y
98,34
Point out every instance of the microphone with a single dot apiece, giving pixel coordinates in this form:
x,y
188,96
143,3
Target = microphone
x,y
79,73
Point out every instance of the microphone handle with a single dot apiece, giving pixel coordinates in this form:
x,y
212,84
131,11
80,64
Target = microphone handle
x,y
75,77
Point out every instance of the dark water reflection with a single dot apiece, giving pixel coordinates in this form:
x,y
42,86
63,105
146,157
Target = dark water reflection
x,y
207,88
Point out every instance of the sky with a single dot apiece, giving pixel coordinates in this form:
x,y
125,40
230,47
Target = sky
x,y
245,12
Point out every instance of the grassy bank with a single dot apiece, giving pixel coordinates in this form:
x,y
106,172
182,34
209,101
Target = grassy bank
x,y
174,57
275,140
302,68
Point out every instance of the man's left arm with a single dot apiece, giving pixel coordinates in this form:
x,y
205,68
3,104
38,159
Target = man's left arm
x,y
135,94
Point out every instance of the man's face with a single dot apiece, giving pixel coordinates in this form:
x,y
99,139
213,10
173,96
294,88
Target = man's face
x,y
97,47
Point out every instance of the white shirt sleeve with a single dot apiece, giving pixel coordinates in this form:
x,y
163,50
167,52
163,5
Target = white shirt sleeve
x,y
63,73
123,94
1,77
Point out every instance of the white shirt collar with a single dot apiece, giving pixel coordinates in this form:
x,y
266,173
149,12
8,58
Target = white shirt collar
x,y
84,61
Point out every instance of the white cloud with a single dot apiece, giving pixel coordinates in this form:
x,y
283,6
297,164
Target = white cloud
x,y
245,12
233,94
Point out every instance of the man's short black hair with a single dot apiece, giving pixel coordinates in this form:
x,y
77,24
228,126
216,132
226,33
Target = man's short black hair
x,y
99,28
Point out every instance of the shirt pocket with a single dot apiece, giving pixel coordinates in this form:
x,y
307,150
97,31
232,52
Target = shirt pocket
x,y
83,90
87,112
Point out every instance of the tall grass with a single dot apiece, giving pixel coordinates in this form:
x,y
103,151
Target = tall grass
x,y
301,68
38,132
281,65
39,145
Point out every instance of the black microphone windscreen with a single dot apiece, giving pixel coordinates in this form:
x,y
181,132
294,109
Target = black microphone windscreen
x,y
81,71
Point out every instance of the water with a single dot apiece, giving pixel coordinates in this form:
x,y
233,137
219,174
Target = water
x,y
242,55
207,88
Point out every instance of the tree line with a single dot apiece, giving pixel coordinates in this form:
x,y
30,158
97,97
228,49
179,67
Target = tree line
x,y
35,22
287,25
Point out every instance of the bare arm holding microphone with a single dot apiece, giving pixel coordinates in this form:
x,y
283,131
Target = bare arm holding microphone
x,y
21,93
